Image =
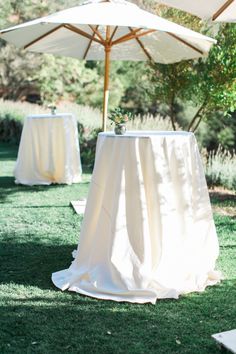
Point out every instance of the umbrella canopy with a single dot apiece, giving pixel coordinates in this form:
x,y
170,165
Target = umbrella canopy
x,y
216,10
109,30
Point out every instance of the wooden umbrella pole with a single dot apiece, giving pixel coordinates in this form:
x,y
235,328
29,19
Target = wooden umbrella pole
x,y
107,48
106,87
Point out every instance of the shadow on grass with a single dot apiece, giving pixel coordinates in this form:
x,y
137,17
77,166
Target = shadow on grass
x,y
221,197
8,152
9,181
32,263
8,187
223,200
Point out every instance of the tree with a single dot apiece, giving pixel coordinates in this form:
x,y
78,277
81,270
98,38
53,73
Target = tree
x,y
216,85
208,83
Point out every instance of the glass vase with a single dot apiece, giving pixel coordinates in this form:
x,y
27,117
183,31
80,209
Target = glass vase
x,y
120,129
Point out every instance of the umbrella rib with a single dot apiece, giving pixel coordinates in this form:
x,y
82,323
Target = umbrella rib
x,y
113,33
89,45
143,47
95,31
82,33
132,35
222,9
41,37
185,42
128,35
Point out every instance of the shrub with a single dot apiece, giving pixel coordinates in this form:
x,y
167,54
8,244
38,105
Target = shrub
x,y
12,116
90,118
88,148
149,122
220,169
10,130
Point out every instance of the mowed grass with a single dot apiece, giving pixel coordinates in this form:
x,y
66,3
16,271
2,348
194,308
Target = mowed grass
x,y
38,232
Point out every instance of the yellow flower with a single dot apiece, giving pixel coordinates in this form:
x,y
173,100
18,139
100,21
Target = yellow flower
x,y
117,120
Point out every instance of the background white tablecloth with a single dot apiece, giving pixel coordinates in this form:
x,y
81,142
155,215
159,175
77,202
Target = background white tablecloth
x,y
148,231
49,150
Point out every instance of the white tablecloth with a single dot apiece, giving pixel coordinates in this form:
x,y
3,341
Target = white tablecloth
x,y
148,231
49,150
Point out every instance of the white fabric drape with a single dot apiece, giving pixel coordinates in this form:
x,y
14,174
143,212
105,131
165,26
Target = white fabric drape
x,y
49,151
148,231
217,10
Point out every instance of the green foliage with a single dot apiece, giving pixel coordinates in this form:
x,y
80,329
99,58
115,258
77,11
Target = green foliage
x,y
217,74
219,129
64,78
11,122
170,83
17,73
10,129
6,8
183,18
88,147
137,88
226,137
15,11
119,116
209,84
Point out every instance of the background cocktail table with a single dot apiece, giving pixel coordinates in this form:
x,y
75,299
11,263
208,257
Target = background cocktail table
x,y
49,150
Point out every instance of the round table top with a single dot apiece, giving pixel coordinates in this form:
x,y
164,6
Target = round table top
x,y
49,115
145,134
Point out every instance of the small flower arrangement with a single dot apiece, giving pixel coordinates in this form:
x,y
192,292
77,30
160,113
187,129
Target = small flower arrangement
x,y
119,116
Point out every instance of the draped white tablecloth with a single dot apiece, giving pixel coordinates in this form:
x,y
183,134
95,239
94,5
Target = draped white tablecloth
x,y
148,231
49,150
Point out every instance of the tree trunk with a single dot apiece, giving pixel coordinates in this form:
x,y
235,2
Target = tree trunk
x,y
197,115
197,125
172,113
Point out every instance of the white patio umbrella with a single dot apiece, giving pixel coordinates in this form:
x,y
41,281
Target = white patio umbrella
x,y
216,10
109,30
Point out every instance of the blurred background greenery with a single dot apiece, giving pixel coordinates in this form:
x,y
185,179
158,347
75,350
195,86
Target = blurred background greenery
x,y
197,95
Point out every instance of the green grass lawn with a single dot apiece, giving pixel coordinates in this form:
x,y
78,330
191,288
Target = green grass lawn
x,y
38,232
